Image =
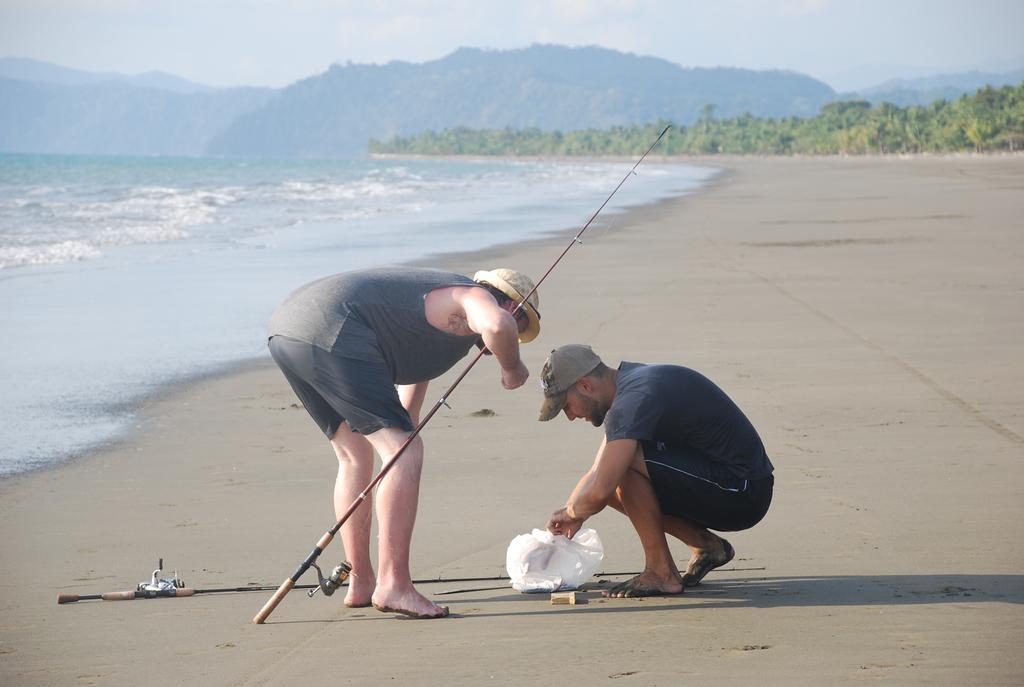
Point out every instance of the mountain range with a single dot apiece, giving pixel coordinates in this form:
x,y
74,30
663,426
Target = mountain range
x,y
547,87
49,109
26,69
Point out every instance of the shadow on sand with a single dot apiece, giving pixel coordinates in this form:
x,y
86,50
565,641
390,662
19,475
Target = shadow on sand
x,y
761,592
778,592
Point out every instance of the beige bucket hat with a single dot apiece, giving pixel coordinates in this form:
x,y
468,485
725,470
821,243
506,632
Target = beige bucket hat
x,y
515,285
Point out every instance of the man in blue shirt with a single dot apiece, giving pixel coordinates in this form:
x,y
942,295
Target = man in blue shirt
x,y
678,457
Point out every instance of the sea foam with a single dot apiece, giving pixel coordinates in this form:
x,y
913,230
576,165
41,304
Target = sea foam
x,y
120,276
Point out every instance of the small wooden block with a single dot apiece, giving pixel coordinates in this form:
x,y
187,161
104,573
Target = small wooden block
x,y
558,598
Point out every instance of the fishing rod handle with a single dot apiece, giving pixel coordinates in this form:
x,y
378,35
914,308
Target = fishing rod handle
x,y
106,596
288,584
70,598
269,607
122,596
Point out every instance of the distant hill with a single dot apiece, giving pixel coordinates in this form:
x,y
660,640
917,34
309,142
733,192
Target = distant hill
x,y
926,90
25,69
116,118
544,86
989,120
51,109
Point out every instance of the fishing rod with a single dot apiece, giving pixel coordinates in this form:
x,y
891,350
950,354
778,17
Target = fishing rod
x,y
328,585
310,560
149,594
172,587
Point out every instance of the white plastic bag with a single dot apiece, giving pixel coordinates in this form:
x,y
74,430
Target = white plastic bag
x,y
544,562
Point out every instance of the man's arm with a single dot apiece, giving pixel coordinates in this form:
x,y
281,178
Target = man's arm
x,y
595,487
499,331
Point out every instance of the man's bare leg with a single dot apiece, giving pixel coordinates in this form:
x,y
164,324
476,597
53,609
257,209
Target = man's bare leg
x,y
636,497
709,551
397,499
355,470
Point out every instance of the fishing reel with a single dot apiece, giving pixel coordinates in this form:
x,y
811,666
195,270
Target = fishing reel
x,y
330,584
160,586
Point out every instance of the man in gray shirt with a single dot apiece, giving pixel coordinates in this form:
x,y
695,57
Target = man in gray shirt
x,y
359,349
678,457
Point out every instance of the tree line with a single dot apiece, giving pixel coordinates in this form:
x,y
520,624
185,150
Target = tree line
x,y
990,120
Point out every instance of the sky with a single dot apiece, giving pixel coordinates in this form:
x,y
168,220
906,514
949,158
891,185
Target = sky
x,y
848,44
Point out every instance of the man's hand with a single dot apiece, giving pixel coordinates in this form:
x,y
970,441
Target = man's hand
x,y
498,331
563,523
516,377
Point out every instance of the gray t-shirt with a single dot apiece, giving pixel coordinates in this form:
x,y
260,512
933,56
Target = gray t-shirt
x,y
376,315
691,416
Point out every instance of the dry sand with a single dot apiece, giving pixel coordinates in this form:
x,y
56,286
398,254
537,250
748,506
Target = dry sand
x,y
867,316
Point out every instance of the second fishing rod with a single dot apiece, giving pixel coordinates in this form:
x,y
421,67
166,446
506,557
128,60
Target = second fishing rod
x,y
328,536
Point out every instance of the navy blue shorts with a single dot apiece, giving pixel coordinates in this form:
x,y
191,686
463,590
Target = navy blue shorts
x,y
334,389
725,505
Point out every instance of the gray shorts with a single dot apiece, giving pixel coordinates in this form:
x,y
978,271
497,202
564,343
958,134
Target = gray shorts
x,y
335,389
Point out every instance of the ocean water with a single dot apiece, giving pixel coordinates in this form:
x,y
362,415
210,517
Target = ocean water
x,y
121,275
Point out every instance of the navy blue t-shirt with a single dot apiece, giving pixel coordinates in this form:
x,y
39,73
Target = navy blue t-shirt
x,y
691,416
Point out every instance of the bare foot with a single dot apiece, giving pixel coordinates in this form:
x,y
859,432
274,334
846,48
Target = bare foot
x,y
360,590
407,602
646,584
704,562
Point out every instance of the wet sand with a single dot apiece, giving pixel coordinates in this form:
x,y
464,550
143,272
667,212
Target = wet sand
x,y
865,313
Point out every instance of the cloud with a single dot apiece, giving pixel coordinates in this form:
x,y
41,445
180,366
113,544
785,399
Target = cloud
x,y
763,8
800,8
585,10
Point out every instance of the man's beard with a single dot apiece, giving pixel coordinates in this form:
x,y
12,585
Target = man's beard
x,y
595,412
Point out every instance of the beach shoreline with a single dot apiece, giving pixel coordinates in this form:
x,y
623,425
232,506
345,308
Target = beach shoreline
x,y
716,160
136,406
855,310
210,250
